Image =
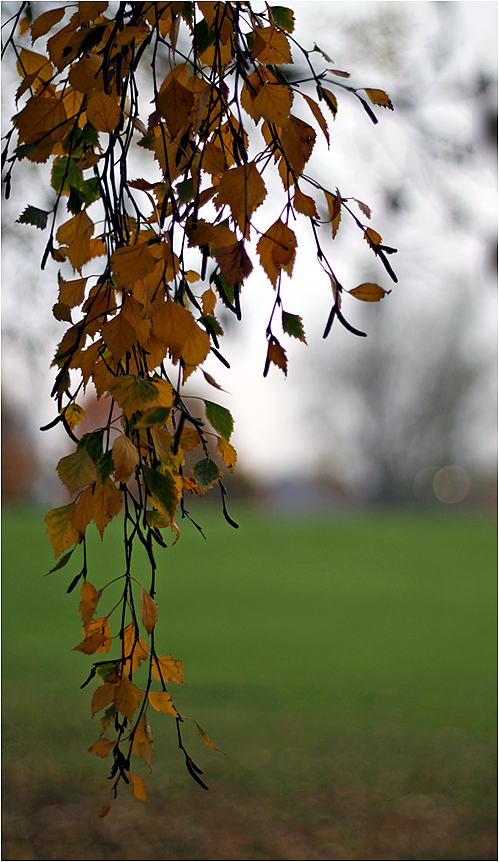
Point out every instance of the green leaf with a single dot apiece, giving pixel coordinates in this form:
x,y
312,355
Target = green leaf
x,y
76,200
206,472
62,312
63,561
204,36
220,418
93,444
292,325
34,216
162,489
90,135
105,668
185,191
91,190
105,466
62,181
156,416
283,17
211,324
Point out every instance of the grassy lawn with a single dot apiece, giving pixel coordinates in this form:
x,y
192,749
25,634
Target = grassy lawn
x,y
345,664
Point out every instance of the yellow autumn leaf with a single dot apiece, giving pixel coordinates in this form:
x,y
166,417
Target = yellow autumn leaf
x,y
41,116
43,23
165,669
103,746
319,116
372,238
76,234
162,702
148,610
74,414
128,697
228,453
92,643
134,647
101,624
108,500
273,102
86,75
119,335
304,204
334,209
369,292
77,470
29,62
139,786
175,103
204,233
103,112
298,140
209,300
271,47
60,529
133,392
277,250
196,347
125,458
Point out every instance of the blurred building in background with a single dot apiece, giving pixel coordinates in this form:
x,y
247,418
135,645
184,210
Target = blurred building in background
x,y
357,420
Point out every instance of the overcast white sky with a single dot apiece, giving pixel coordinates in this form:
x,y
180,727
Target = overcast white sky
x,y
422,54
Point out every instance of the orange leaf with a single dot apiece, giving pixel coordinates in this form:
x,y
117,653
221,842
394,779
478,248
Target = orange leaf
x,y
162,702
271,47
86,75
108,500
304,204
196,347
45,22
148,610
171,669
319,116
228,453
134,647
334,209
101,624
277,250
72,293
103,112
103,746
40,117
119,335
92,643
243,190
133,262
76,234
273,102
172,326
175,104
128,698
105,810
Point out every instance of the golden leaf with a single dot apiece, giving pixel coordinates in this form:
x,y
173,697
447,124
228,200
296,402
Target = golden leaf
x,y
271,47
139,786
304,204
105,810
89,11
277,250
76,234
165,393
133,392
175,103
319,116
74,414
45,22
334,209
297,139
148,610
83,511
77,470
162,440
162,702
101,624
92,643
209,300
172,326
103,112
125,458
228,453
108,500
135,648
273,102
30,62
86,75
372,238
133,262
243,190
128,697
89,600
103,746
189,439
72,293
369,292
234,262
119,335
102,697
40,117
196,347
171,669
60,529
63,46
379,97
216,236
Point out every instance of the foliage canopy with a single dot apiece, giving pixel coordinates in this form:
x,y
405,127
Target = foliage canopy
x,y
143,320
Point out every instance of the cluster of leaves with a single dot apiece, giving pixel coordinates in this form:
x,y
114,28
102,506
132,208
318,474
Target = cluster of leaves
x,y
147,321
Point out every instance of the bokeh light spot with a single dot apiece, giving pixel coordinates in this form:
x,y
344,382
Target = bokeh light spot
x,y
451,484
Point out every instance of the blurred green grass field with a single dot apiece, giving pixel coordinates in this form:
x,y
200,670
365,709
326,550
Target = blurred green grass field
x,y
345,656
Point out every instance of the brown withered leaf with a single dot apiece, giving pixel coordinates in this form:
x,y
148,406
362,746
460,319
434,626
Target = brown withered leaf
x,y
148,610
72,293
234,263
133,262
105,810
277,355
92,643
243,190
135,647
102,697
277,250
175,104
101,624
319,116
379,97
334,209
216,236
171,669
76,234
304,204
